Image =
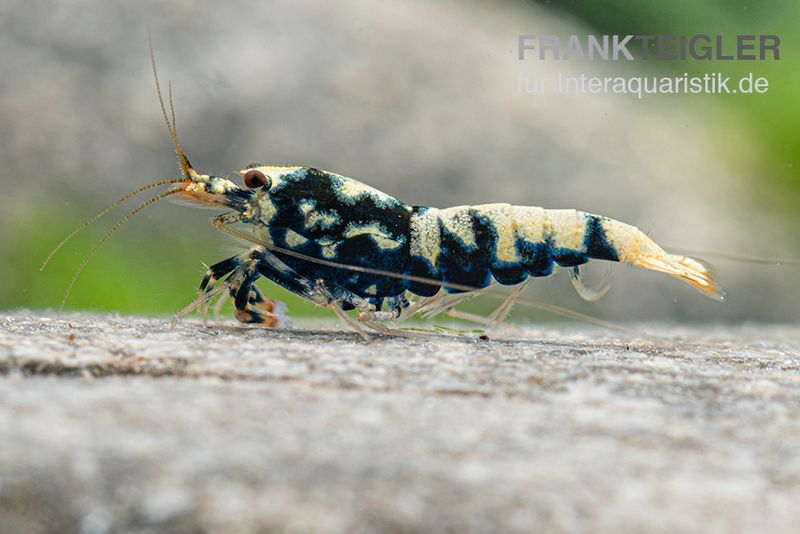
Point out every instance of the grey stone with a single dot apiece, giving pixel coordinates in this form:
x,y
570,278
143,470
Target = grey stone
x,y
112,423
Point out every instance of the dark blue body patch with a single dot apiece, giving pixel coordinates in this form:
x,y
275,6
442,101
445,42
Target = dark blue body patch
x,y
596,243
536,257
421,268
460,264
567,257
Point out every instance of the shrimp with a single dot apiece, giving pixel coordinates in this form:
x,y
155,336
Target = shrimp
x,y
347,246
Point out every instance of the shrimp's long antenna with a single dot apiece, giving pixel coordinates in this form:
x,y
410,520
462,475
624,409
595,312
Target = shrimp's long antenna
x,y
186,168
764,260
111,232
172,108
571,314
108,208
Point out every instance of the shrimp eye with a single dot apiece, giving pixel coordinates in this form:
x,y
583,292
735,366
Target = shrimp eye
x,y
255,179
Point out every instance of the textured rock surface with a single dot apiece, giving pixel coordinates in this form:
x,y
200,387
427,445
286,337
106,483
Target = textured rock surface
x,y
110,423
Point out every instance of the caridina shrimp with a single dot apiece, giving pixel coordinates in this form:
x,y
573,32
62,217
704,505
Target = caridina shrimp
x,y
347,246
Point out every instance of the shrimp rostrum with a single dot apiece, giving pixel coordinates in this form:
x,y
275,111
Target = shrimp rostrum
x,y
347,246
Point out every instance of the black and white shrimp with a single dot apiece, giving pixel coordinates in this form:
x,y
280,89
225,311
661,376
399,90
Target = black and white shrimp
x,y
339,243
347,246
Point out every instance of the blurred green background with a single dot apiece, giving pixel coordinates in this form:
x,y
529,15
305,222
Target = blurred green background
x,y
433,119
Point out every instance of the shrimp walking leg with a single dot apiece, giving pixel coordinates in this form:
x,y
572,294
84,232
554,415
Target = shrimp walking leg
x,y
252,307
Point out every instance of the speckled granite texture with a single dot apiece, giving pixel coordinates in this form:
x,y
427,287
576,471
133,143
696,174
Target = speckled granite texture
x,y
114,423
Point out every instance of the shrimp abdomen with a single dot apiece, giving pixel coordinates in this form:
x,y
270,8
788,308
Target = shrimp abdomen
x,y
474,245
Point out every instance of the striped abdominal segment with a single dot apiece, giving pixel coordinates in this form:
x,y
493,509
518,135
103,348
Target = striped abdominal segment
x,y
474,245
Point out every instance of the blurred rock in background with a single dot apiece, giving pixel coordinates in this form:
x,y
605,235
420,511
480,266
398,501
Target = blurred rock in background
x,y
415,98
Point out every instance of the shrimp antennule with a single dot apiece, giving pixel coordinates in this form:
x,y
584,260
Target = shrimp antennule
x,y
105,210
111,232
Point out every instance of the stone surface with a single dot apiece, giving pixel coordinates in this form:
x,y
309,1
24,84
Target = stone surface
x,y
119,423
